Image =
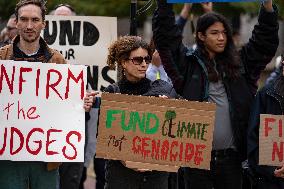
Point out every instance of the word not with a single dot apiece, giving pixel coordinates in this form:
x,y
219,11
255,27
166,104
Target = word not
x,y
143,121
90,33
165,150
11,81
116,142
46,139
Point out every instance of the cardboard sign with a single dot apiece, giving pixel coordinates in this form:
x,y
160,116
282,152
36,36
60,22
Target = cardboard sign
x,y
271,140
84,40
41,112
205,1
155,130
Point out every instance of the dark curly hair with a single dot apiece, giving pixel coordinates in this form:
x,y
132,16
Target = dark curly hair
x,y
40,3
229,60
120,50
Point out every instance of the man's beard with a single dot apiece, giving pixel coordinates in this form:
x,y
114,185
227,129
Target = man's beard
x,y
30,40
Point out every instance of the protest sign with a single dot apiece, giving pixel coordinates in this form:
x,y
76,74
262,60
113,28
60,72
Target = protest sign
x,y
271,140
42,116
84,40
155,130
205,1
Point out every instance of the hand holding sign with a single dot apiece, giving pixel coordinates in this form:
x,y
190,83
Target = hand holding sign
x,y
279,172
89,100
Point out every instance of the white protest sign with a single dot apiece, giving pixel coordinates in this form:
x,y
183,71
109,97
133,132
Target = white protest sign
x,y
84,40
41,112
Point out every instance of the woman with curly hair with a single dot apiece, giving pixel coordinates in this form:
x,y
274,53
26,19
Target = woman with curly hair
x,y
133,55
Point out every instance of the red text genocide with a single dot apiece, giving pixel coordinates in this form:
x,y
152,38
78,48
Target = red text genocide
x,y
173,151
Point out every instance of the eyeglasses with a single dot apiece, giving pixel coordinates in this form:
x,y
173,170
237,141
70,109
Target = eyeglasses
x,y
138,60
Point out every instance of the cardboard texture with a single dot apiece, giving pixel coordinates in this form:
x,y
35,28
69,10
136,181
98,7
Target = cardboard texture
x,y
271,141
154,130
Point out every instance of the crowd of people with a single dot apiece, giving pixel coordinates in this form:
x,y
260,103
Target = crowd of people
x,y
213,70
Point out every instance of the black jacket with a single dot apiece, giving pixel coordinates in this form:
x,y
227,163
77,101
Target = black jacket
x,y
189,75
267,101
152,88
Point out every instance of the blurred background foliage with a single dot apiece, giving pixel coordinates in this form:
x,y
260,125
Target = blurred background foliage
x,y
120,8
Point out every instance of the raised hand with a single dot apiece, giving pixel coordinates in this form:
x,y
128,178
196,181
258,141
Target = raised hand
x,y
185,10
279,172
207,7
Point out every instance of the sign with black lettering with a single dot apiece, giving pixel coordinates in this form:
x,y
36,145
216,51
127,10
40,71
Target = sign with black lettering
x,y
84,40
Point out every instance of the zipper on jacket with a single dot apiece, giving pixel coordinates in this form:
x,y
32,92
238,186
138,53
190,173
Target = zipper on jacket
x,y
268,92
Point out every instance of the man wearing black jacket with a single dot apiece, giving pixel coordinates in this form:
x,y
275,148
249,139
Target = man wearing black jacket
x,y
217,73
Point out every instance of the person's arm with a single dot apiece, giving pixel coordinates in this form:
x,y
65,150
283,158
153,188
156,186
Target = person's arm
x,y
262,45
151,72
164,75
182,18
185,10
168,41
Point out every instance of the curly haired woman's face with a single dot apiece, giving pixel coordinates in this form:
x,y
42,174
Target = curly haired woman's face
x,y
133,69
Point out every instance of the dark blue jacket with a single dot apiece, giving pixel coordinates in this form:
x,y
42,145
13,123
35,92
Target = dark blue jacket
x,y
187,70
267,101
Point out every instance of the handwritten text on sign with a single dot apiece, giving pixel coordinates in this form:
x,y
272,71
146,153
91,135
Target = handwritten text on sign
x,y
271,143
41,112
84,40
155,130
